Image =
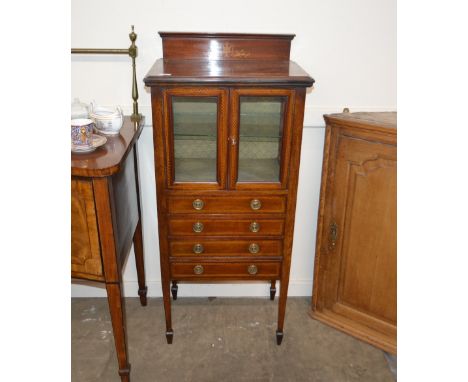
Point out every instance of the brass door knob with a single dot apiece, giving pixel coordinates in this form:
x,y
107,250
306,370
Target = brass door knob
x,y
255,204
254,248
197,227
198,204
198,269
254,227
252,269
198,248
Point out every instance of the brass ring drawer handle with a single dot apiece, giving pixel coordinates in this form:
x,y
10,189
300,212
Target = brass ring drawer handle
x,y
254,227
197,227
252,269
198,269
254,248
198,248
255,204
198,204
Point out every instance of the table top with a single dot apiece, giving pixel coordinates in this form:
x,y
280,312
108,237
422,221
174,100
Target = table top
x,y
107,159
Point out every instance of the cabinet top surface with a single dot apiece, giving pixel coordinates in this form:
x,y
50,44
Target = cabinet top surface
x,y
228,58
385,120
230,72
107,160
211,35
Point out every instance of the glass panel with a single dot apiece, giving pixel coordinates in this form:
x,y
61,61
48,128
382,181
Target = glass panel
x,y
260,138
195,130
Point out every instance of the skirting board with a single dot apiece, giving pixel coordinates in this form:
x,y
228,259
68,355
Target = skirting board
x,y
253,289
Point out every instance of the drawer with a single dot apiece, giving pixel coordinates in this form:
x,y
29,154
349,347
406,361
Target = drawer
x,y
227,204
225,227
225,247
240,270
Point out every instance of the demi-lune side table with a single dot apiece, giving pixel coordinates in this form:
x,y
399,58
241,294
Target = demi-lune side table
x,y
105,221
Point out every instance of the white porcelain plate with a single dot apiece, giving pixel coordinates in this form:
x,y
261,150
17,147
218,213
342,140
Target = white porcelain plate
x,y
98,141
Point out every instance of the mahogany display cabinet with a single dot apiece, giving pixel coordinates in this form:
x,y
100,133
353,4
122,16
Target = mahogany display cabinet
x,y
228,115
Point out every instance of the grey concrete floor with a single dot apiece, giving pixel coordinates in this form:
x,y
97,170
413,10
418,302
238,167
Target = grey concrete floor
x,y
219,339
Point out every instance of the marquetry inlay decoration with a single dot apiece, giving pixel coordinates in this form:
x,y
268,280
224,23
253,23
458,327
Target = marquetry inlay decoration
x,y
85,250
230,51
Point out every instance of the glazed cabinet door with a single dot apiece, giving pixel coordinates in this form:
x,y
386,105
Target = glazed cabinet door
x,y
195,130
260,138
359,235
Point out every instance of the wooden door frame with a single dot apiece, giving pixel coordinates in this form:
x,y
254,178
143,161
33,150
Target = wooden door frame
x,y
234,127
222,95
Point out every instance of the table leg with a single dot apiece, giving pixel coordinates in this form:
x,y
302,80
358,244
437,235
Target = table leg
x,y
140,264
117,312
281,310
167,308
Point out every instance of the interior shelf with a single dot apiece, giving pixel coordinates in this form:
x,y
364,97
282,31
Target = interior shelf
x,y
204,170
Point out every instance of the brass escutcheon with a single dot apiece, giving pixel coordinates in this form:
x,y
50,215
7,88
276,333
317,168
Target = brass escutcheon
x,y
254,248
198,204
255,204
333,236
198,269
197,227
252,269
198,248
254,227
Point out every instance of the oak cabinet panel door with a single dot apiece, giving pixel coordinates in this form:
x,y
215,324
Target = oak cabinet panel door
x,y
355,283
364,209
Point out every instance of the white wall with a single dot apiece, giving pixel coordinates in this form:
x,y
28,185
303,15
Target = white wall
x,y
348,47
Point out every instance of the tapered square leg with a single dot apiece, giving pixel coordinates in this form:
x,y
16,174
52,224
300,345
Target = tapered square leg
x,y
282,309
140,264
167,309
116,308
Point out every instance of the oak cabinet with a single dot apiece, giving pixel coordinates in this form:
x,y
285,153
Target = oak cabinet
x,y
227,129
355,264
